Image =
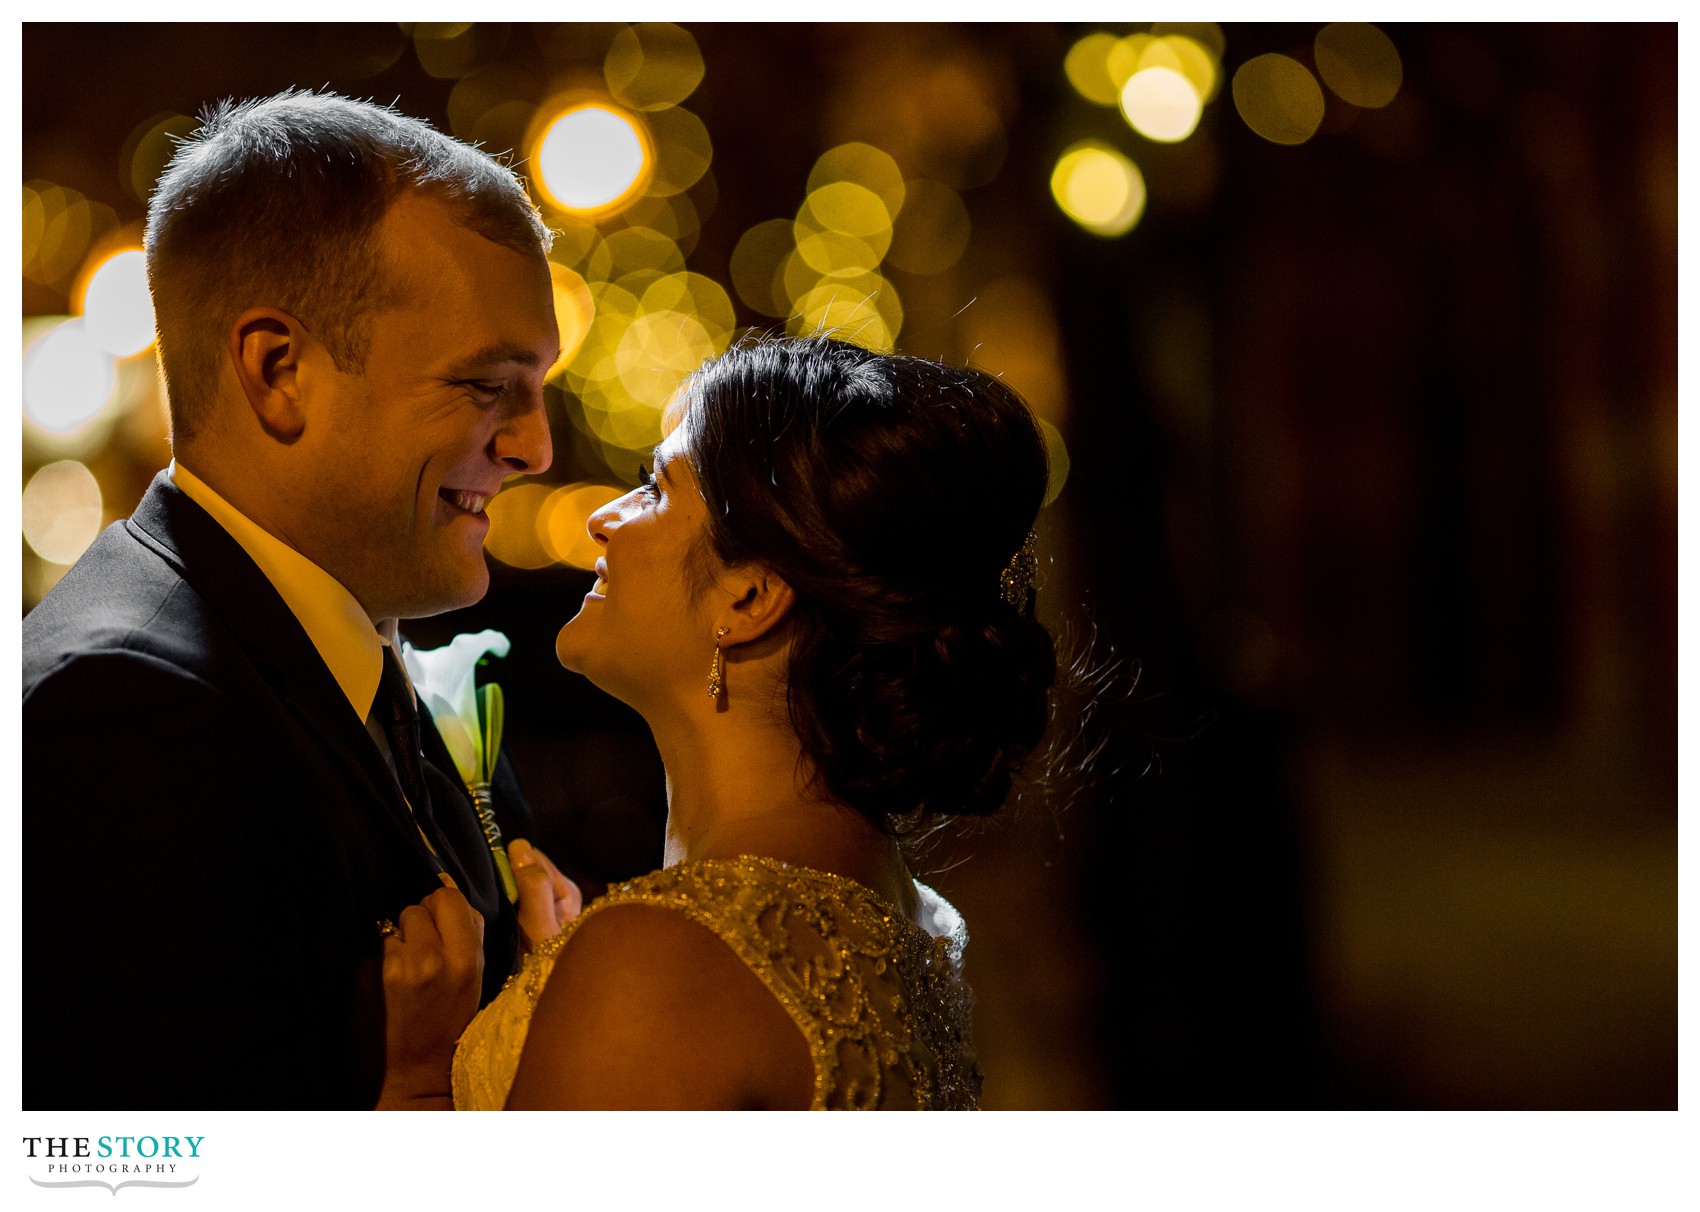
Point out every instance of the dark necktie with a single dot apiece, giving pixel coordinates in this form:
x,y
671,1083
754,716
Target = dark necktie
x,y
398,714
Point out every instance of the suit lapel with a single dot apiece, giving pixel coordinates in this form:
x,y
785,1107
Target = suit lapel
x,y
222,573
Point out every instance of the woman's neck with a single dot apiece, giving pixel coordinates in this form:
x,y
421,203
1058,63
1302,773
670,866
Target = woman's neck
x,y
728,784
740,786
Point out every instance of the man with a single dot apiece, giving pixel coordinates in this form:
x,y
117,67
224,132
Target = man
x,y
223,809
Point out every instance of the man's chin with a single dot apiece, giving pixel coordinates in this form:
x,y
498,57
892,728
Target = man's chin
x,y
469,590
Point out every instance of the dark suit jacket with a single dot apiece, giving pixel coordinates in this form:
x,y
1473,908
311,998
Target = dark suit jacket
x,y
209,837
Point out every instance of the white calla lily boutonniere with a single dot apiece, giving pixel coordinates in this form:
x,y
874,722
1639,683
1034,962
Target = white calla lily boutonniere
x,y
469,719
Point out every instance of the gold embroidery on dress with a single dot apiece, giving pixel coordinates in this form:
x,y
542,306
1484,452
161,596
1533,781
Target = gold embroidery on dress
x,y
879,1001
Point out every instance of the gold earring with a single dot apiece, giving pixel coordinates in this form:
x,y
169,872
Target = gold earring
x,y
714,670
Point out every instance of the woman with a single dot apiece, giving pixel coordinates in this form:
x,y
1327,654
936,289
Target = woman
x,y
820,601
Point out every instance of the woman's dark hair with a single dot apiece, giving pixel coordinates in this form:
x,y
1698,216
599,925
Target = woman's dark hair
x,y
891,493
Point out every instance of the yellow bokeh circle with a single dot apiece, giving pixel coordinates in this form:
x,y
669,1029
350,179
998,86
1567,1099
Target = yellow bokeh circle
x,y
1099,188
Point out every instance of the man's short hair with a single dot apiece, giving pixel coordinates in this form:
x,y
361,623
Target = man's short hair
x,y
276,203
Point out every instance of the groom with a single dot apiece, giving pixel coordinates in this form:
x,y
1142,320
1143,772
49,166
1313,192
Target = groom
x,y
220,803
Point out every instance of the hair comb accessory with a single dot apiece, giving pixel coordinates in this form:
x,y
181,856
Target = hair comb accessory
x,y
1016,584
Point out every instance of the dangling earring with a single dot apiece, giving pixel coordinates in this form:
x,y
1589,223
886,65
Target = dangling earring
x,y
714,670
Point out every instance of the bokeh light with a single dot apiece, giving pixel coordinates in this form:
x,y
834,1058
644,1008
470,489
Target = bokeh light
x,y
513,537
955,101
592,159
34,216
651,65
503,127
635,250
843,228
931,232
1182,54
61,511
1099,188
1278,99
826,269
758,260
59,226
674,216
449,50
562,520
656,351
1013,330
864,311
1161,104
491,95
864,165
68,378
148,149
1088,69
702,296
654,323
575,310
117,308
1124,57
1056,450
1360,63
683,150
1178,52
849,208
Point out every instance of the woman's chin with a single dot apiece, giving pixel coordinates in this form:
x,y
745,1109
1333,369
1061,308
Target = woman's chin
x,y
570,648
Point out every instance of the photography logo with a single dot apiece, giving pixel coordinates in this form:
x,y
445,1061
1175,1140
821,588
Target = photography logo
x,y
113,1162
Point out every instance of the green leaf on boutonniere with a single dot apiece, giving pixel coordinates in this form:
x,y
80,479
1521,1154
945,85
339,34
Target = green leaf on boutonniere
x,y
491,706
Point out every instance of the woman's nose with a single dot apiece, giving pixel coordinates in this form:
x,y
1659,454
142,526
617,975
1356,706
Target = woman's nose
x,y
602,521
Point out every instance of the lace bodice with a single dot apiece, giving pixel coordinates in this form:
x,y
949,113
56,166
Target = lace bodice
x,y
879,1000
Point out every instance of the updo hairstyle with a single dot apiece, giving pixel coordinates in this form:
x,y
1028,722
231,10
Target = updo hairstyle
x,y
890,493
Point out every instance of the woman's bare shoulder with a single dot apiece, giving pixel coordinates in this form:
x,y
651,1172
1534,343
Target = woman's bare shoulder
x,y
647,1008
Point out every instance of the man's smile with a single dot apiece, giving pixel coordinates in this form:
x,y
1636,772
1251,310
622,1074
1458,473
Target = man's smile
x,y
464,501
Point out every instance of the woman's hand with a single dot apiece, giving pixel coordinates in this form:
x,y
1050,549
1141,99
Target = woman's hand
x,y
548,900
433,970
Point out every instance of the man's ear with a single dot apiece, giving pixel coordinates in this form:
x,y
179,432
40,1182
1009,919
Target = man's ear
x,y
762,600
265,348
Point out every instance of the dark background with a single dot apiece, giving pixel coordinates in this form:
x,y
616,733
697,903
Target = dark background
x,y
1371,519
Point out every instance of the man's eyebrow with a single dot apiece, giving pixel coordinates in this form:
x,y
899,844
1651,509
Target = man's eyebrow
x,y
492,356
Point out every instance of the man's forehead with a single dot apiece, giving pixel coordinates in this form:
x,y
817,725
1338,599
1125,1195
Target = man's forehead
x,y
422,237
486,308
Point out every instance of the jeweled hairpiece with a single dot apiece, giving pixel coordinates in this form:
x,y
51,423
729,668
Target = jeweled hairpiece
x,y
1016,584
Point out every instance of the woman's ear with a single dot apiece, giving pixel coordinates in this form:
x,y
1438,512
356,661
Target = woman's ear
x,y
762,598
265,349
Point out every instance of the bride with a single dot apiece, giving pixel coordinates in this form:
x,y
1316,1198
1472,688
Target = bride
x,y
820,601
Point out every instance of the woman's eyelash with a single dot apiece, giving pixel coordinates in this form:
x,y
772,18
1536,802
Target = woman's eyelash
x,y
645,479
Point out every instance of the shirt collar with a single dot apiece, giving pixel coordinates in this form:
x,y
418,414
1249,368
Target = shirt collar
x,y
347,642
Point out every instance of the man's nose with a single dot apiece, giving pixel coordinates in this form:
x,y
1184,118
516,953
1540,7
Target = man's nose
x,y
523,444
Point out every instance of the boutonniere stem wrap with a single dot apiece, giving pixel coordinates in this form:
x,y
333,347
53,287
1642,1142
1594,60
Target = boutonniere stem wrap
x,y
469,718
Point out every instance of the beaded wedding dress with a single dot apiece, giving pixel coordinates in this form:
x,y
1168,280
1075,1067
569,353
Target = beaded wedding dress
x,y
879,1000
